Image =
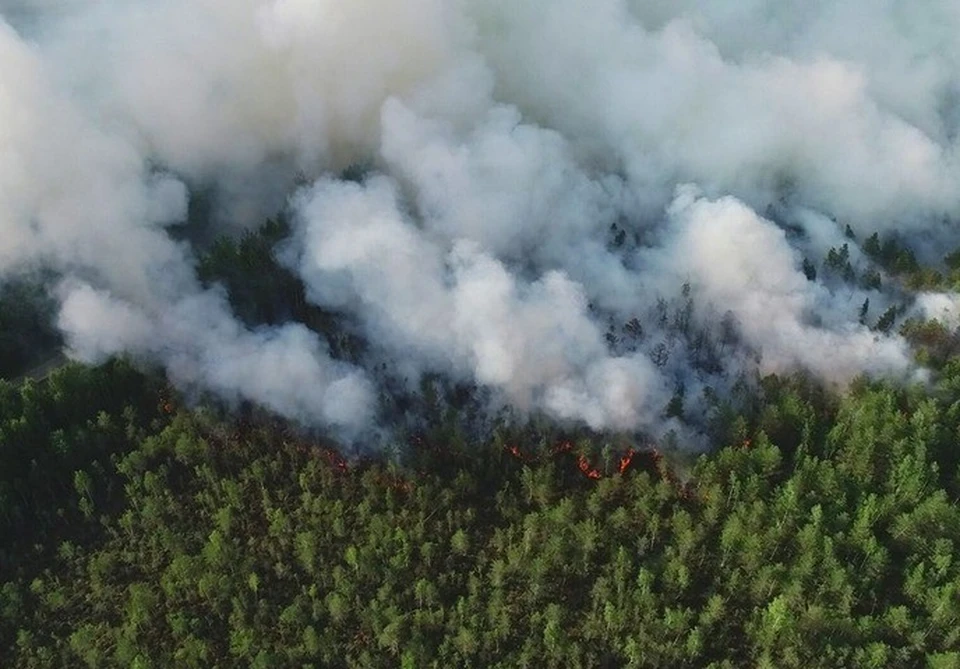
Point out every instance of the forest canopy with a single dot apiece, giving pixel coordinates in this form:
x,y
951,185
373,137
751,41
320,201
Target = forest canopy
x,y
140,532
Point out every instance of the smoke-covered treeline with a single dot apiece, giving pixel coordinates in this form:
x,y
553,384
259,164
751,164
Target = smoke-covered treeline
x,y
585,210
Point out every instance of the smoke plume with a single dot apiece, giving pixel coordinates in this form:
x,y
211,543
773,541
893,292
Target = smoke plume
x,y
583,209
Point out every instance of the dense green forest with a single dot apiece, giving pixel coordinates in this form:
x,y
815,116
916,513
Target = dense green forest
x,y
139,531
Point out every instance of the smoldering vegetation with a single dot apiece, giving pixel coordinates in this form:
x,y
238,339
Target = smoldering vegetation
x,y
605,214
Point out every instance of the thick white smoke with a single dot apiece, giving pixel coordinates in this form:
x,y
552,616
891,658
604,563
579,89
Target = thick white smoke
x,y
744,263
569,204
83,200
447,306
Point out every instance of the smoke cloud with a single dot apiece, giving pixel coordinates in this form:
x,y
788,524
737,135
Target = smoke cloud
x,y
582,209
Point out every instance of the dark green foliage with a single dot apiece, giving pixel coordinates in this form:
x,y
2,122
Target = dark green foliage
x,y
899,260
27,333
262,291
822,534
886,321
59,436
891,254
838,263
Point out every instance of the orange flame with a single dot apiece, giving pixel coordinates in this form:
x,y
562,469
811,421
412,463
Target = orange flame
x,y
335,460
585,467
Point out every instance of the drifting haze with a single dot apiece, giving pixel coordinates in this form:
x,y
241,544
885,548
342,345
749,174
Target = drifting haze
x,y
580,207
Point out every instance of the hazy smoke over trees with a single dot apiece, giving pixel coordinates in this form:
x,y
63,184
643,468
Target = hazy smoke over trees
x,y
580,207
